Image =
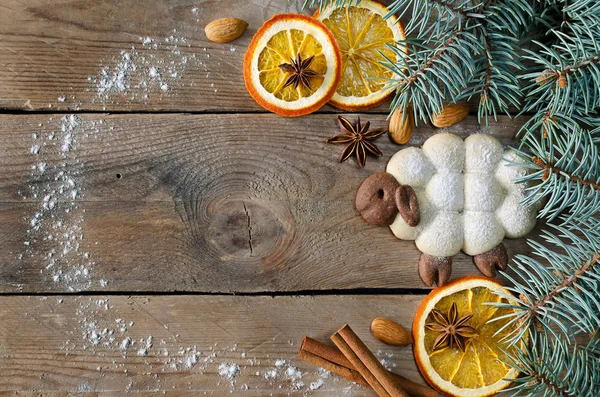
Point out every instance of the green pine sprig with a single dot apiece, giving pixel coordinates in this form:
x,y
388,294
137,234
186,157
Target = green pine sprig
x,y
579,364
557,287
472,50
565,167
459,49
565,76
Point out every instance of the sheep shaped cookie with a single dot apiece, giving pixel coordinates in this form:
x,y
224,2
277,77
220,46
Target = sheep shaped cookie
x,y
449,196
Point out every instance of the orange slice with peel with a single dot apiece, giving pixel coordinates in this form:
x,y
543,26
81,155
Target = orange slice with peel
x,y
479,370
363,36
281,43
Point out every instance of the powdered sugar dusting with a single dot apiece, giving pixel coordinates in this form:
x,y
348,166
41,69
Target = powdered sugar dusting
x,y
151,69
228,370
55,229
106,330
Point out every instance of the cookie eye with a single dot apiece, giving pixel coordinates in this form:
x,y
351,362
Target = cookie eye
x,y
380,194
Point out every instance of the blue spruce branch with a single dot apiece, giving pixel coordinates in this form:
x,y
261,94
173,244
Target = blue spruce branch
x,y
565,165
557,288
552,367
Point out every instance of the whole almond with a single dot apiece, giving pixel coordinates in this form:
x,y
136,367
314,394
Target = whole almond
x,y
390,332
450,115
224,30
402,124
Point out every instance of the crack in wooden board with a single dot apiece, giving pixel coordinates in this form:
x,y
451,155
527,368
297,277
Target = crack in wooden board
x,y
177,219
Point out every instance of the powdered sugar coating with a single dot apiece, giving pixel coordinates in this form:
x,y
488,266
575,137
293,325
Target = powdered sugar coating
x,y
467,196
482,192
445,151
444,234
446,191
516,219
411,167
507,175
482,153
482,232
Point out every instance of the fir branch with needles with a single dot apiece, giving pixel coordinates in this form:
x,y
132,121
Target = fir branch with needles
x,y
539,376
542,57
557,286
565,168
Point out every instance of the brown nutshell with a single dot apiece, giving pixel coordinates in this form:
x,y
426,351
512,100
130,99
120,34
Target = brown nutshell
x,y
224,30
450,115
375,199
390,332
401,126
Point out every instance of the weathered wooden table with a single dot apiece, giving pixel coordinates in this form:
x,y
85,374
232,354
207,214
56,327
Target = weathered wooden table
x,y
159,231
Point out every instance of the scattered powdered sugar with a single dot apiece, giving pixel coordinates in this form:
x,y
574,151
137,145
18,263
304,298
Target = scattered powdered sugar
x,y
271,374
148,360
228,370
153,67
146,345
316,384
55,229
125,343
386,359
295,375
185,358
196,12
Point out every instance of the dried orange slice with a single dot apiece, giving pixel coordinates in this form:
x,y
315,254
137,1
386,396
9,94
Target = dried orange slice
x,y
479,370
363,36
284,45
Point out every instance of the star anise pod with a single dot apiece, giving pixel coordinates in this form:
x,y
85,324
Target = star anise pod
x,y
453,330
357,138
299,71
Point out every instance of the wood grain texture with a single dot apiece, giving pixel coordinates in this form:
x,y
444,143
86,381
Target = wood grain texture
x,y
75,50
230,203
130,56
68,344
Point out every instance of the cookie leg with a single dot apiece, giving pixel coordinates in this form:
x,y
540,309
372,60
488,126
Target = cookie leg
x,y
488,262
435,269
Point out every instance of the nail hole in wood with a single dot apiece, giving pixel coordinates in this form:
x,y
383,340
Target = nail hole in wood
x,y
119,176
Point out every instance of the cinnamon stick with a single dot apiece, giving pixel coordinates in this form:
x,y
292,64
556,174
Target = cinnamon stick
x,y
331,359
367,364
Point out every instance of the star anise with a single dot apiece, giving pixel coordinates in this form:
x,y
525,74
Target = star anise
x,y
357,138
299,71
453,330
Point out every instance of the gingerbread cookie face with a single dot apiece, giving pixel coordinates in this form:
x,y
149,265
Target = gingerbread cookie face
x,y
466,194
375,199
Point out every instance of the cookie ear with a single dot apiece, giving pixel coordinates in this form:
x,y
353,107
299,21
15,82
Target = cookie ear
x,y
408,205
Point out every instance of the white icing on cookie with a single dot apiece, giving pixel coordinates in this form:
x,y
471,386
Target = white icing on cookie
x,y
451,176
410,167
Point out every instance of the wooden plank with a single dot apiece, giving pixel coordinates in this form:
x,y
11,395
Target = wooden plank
x,y
127,55
232,203
99,344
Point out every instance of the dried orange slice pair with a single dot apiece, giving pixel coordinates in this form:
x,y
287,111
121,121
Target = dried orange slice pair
x,y
296,63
